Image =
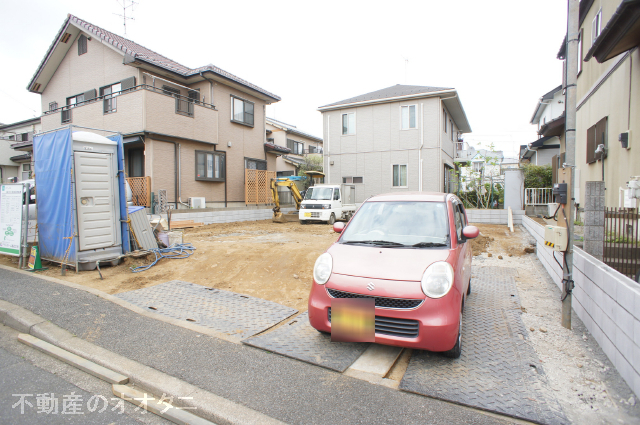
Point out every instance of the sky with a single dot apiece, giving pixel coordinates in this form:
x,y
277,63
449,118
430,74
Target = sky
x,y
499,55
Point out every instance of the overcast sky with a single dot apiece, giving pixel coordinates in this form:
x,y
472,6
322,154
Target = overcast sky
x,y
500,55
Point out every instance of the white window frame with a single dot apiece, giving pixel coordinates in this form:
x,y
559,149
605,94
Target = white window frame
x,y
407,177
348,122
596,26
415,106
579,52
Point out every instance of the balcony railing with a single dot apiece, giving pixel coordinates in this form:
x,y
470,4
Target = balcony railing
x,y
184,104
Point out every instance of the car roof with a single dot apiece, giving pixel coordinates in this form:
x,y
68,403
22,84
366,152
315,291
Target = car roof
x,y
409,196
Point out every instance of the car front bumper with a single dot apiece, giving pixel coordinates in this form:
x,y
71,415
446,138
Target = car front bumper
x,y
437,320
314,214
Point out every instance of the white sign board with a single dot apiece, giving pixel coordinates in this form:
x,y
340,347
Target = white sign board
x,y
11,219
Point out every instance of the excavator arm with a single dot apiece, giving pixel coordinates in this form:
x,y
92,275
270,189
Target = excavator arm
x,y
297,196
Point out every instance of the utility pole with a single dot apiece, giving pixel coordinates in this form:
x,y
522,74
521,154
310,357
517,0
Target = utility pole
x,y
573,9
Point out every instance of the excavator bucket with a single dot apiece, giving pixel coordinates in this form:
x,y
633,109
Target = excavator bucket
x,y
279,217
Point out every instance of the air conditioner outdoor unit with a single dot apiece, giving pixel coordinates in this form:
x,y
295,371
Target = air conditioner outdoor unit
x,y
197,203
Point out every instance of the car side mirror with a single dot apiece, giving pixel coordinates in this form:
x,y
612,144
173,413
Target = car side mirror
x,y
338,227
470,232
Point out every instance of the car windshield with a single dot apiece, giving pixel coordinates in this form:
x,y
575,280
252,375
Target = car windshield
x,y
400,224
319,193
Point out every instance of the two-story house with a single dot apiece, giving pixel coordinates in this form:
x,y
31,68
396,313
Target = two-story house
x,y
400,138
608,95
13,136
549,118
299,144
192,131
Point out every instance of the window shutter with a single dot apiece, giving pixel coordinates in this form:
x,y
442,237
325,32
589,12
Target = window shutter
x,y
89,95
128,83
591,145
248,113
82,45
554,169
290,144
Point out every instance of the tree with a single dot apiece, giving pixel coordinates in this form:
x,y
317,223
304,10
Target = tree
x,y
479,190
311,163
536,176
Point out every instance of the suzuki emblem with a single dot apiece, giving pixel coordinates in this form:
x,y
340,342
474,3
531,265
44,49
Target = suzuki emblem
x,y
371,286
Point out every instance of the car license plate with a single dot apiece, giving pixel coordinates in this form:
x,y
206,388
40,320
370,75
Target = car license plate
x,y
307,214
353,320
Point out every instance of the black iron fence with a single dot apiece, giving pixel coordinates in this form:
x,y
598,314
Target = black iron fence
x,y
621,249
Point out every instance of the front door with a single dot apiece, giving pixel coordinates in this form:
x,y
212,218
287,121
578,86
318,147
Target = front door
x,y
95,202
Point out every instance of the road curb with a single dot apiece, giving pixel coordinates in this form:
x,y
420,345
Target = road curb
x,y
122,303
207,405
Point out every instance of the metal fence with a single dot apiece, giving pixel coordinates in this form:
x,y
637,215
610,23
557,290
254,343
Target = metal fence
x,y
621,250
538,196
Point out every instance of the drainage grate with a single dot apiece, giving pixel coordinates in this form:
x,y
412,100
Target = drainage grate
x,y
403,328
381,302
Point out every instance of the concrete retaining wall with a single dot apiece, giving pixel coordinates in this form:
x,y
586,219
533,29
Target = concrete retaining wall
x,y
607,302
493,216
208,216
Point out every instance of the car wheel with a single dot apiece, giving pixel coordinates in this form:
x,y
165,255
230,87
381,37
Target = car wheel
x,y
304,221
332,219
469,287
455,352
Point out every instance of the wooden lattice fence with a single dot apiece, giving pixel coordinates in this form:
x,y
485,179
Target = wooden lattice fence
x,y
257,188
141,190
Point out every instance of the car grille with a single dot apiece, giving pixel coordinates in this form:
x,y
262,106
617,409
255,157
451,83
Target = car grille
x,y
381,302
313,206
403,328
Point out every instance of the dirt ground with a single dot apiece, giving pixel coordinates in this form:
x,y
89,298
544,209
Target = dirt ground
x,y
275,261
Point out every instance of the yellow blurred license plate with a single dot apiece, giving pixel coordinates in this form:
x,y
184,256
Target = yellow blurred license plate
x,y
353,320
307,214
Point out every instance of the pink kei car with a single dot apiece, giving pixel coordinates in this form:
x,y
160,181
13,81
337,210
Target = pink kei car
x,y
409,252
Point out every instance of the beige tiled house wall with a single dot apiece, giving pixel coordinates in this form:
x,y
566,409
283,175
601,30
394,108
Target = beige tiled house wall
x,y
100,66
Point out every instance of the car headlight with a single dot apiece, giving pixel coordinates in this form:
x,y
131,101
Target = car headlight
x,y
326,207
303,207
322,268
437,279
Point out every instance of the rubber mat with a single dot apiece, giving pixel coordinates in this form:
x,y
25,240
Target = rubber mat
x,y
298,340
498,370
239,316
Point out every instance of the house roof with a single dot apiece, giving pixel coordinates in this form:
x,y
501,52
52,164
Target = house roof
x,y
621,33
555,127
277,149
401,92
539,107
30,121
585,5
291,129
134,54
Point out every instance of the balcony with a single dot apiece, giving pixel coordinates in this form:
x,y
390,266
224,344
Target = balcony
x,y
141,108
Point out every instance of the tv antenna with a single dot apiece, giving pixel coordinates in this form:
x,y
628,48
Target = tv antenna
x,y
124,16
406,68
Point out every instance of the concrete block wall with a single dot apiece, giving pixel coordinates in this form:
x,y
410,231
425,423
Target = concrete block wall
x,y
607,302
224,215
493,216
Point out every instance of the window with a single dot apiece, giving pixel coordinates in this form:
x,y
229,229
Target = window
x,y
82,45
478,166
313,149
400,175
349,123
408,117
451,126
75,100
596,135
285,173
110,93
241,111
596,26
352,180
255,164
53,106
444,114
458,220
65,116
336,194
26,171
580,52
296,147
210,166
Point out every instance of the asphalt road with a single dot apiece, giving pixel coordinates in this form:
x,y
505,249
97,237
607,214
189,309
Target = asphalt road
x,y
38,389
285,389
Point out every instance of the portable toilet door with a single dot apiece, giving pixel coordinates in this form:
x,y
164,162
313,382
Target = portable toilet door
x,y
97,196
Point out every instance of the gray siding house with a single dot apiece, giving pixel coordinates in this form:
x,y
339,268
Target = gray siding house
x,y
400,138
